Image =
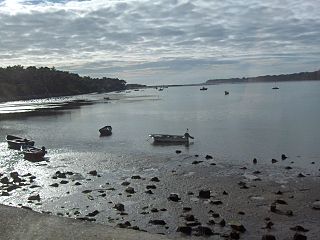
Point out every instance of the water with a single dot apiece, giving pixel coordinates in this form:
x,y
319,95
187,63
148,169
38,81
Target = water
x,y
253,121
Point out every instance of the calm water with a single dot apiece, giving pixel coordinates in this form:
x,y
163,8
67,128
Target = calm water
x,y
253,121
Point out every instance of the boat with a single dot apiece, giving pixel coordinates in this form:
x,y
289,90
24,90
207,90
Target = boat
x,y
160,89
16,143
203,89
275,87
105,131
33,154
171,139
226,93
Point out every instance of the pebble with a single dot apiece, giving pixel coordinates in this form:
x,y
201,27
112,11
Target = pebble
x,y
149,192
151,186
92,214
238,227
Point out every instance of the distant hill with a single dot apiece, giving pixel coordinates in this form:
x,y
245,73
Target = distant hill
x,y
17,82
302,76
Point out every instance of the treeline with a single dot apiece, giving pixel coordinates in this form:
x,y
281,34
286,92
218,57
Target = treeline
x,y
302,76
18,82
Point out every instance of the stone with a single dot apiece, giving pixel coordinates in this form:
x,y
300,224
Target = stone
x,y
189,217
299,236
234,235
136,177
124,225
4,180
268,237
280,201
301,175
174,197
149,192
283,157
224,193
238,227
92,214
63,182
87,191
77,184
130,190
316,205
54,185
187,209
34,198
204,231
274,160
185,230
204,193
151,186
222,223
154,210
254,161
178,151
119,207
93,173
299,228
157,222
216,202
209,157
125,183
154,179
288,168
196,162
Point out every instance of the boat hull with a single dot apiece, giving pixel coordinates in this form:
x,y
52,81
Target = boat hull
x,y
33,154
16,143
170,139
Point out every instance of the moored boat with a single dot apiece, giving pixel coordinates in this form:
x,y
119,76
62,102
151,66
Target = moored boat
x,y
33,154
171,139
226,93
203,89
16,143
105,131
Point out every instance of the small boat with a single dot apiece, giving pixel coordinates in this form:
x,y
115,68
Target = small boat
x,y
226,93
275,87
105,131
16,143
203,89
160,89
171,139
33,154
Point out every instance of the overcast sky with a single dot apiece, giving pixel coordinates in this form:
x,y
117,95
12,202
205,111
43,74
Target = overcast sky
x,y
162,41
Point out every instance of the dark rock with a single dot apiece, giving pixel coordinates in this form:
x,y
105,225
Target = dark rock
x,y
269,225
130,190
87,219
216,202
178,151
256,172
299,228
299,236
63,182
234,235
54,185
154,210
92,214
268,237
274,160
93,173
279,193
243,168
185,230
151,186
215,215
273,207
301,175
204,231
87,191
60,175
283,157
136,177
5,194
241,213
238,227
25,207
209,157
163,209
34,198
190,193
222,223
174,197
204,194
149,192
255,161
189,217
119,207
288,167
77,184
224,193
125,183
280,201
196,155
4,180
157,222
196,162
154,179
187,209
193,224
213,164
124,225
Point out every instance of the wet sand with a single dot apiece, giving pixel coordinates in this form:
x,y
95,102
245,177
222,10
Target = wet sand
x,y
246,201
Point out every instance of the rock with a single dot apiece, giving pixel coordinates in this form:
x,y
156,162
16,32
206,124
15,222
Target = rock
x,y
268,237
283,157
151,186
299,236
34,198
60,175
124,225
87,191
269,225
279,193
256,172
13,187
4,180
174,197
196,155
125,183
185,230
316,205
119,207
254,161
92,214
243,168
130,190
154,179
273,207
54,185
136,177
299,228
288,167
157,222
234,235
187,209
216,202
209,157
274,160
215,215
241,213
196,162
178,151
63,182
93,173
77,184
222,223
301,175
238,227
280,201
204,194
193,224
5,194
189,217
163,209
149,192
204,231
154,210
224,193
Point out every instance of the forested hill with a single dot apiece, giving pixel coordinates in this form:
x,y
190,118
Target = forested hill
x,y
303,76
18,82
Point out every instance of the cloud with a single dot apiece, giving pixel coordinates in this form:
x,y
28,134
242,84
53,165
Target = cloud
x,y
147,41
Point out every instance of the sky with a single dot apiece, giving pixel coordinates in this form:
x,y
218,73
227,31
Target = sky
x,y
162,41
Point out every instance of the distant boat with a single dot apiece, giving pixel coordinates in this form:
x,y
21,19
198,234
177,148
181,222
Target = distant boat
x,y
203,89
275,87
171,139
16,143
105,131
33,154
160,89
226,93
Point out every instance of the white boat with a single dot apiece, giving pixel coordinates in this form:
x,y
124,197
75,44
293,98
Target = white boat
x,y
173,139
